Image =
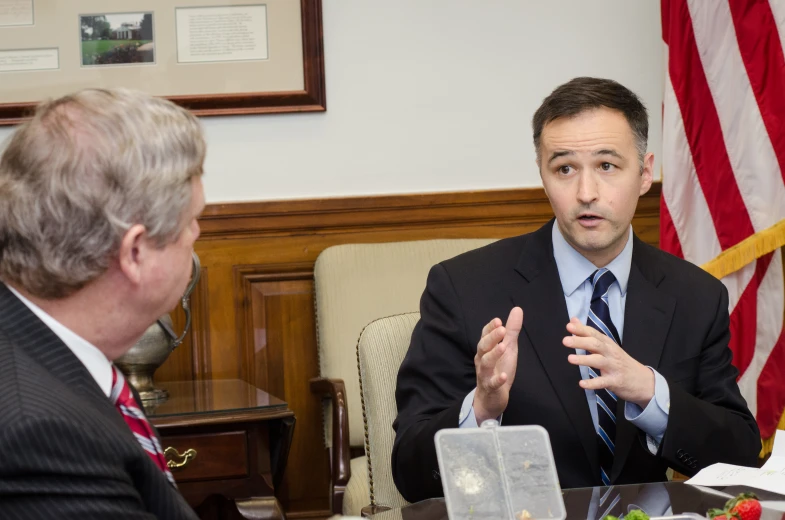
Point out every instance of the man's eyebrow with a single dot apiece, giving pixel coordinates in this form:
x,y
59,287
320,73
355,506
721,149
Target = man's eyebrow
x,y
608,151
560,153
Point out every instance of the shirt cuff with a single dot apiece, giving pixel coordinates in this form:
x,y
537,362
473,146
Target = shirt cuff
x,y
466,418
653,420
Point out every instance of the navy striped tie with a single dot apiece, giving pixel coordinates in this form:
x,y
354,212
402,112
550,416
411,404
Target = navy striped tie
x,y
600,319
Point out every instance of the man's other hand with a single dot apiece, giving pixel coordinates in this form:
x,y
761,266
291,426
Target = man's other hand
x,y
618,371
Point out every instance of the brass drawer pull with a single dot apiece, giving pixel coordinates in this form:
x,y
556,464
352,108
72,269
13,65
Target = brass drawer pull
x,y
187,457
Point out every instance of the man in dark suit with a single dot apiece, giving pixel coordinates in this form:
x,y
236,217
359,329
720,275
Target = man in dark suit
x,y
100,191
623,353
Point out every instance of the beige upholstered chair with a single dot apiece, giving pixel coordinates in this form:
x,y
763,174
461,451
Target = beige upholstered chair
x,y
380,351
354,285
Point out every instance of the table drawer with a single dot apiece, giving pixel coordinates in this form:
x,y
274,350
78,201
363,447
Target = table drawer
x,y
215,455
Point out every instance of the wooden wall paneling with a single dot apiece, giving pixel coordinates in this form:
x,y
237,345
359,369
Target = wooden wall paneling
x,y
254,283
200,327
248,326
257,322
291,340
278,337
224,343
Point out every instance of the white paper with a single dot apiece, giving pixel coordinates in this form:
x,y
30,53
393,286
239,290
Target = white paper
x,y
16,12
236,33
771,477
778,452
29,59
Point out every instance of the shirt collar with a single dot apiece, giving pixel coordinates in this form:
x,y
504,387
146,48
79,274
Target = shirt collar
x,y
574,268
93,359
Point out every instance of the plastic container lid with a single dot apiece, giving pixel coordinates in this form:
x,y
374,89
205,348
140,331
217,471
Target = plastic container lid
x,y
499,472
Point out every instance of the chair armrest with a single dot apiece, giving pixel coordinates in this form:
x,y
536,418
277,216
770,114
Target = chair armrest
x,y
341,453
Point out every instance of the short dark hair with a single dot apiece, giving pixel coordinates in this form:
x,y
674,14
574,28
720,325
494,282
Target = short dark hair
x,y
581,94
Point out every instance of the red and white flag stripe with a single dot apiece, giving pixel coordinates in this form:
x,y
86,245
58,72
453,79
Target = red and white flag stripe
x,y
724,169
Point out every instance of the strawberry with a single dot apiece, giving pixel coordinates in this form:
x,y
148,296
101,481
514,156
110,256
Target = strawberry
x,y
745,507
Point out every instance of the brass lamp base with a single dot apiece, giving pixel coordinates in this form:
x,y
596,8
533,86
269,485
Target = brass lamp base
x,y
140,363
143,383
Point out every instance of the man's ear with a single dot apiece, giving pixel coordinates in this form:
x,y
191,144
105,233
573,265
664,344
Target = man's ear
x,y
133,249
647,175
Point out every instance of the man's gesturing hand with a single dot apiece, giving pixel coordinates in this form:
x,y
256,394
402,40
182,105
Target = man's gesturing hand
x,y
495,364
619,372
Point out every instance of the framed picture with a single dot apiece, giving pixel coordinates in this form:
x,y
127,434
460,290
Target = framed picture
x,y
215,57
116,39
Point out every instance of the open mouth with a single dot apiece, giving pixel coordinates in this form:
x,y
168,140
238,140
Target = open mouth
x,y
589,219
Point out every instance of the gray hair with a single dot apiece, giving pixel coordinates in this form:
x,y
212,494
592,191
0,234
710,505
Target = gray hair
x,y
80,173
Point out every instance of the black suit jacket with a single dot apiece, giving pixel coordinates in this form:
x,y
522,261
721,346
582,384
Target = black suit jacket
x,y
65,451
675,320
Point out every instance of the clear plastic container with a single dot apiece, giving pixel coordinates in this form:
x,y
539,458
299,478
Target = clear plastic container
x,y
499,472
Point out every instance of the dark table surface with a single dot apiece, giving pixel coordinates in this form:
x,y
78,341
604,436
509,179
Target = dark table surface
x,y
659,499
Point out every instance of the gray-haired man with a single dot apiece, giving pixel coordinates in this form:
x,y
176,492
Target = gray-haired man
x,y
100,193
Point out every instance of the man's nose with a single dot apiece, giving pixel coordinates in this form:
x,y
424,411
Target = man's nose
x,y
587,188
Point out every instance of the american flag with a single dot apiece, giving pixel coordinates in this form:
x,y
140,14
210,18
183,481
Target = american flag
x,y
723,170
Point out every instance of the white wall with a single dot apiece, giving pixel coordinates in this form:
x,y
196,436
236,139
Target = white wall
x,y
434,95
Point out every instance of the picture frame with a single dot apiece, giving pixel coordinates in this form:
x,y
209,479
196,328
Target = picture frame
x,y
176,49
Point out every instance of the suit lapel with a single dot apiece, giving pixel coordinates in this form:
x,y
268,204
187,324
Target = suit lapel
x,y
544,321
647,317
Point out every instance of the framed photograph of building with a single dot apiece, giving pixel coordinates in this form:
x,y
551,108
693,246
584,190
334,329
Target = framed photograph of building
x,y
117,39
215,57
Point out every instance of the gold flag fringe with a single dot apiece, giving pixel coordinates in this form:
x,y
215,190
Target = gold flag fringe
x,y
747,251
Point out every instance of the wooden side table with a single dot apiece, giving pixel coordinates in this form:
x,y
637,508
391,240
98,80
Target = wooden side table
x,y
227,443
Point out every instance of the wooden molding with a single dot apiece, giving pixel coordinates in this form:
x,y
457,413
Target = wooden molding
x,y
383,212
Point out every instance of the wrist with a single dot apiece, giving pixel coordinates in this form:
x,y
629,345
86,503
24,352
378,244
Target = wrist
x,y
647,392
482,413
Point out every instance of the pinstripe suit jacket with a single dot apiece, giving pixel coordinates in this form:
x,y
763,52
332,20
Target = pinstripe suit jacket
x,y
65,451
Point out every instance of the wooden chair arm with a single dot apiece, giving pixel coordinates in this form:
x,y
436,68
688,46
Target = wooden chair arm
x,y
340,452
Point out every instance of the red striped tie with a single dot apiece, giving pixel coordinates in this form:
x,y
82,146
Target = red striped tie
x,y
124,400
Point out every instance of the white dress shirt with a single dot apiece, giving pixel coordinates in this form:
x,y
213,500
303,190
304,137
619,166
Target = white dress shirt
x,y
93,359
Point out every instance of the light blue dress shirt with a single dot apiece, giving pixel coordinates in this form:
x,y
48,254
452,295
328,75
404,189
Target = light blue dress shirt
x,y
574,272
